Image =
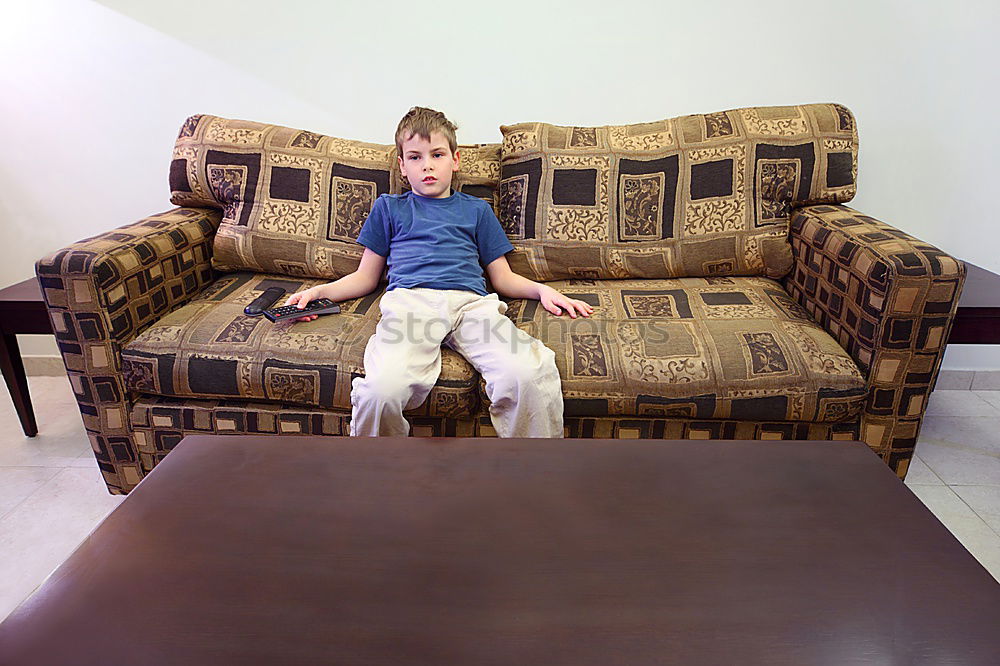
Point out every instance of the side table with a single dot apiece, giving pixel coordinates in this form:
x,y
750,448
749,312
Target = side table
x,y
22,310
977,321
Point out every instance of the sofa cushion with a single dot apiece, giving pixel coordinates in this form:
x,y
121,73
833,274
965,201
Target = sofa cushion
x,y
699,348
209,348
294,201
697,195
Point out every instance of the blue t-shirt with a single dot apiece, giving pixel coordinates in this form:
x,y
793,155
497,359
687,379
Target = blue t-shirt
x,y
435,243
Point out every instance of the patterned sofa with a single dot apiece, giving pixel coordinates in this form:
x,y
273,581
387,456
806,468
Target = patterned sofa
x,y
735,295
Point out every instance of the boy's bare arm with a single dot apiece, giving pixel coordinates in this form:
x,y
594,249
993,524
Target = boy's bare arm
x,y
360,282
511,285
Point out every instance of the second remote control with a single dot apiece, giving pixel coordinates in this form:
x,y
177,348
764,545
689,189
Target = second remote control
x,y
264,301
320,306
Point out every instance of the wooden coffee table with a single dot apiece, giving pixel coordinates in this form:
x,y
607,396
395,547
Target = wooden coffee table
x,y
275,550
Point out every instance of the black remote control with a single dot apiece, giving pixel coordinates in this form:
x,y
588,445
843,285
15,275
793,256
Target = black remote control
x,y
264,301
320,306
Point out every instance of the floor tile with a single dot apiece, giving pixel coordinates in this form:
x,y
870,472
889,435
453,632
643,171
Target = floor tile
x,y
958,403
984,500
17,483
954,379
61,437
992,397
44,529
970,530
961,450
85,459
986,380
919,473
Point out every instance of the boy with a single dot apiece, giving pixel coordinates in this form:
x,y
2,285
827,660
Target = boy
x,y
436,242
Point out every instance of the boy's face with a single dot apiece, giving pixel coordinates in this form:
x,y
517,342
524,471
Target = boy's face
x,y
428,165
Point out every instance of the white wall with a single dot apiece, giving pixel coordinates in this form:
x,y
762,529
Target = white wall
x,y
93,93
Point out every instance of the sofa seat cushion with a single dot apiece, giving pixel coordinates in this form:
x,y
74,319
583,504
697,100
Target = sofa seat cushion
x,y
209,349
701,348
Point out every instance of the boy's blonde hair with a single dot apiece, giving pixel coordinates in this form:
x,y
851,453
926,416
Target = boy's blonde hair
x,y
421,121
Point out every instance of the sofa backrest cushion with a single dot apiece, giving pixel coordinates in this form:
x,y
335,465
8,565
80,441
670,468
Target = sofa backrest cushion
x,y
294,201
693,196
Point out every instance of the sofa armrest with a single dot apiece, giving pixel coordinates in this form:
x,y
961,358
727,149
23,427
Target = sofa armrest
x,y
889,299
103,291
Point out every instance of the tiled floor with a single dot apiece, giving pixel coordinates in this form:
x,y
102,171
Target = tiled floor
x,y
52,495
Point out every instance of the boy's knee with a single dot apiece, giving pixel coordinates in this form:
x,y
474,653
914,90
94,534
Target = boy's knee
x,y
386,389
527,377
380,388
544,367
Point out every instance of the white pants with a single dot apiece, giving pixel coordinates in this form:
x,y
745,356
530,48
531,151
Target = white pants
x,y
403,361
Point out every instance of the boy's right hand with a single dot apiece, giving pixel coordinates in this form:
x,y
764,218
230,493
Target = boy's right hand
x,y
301,298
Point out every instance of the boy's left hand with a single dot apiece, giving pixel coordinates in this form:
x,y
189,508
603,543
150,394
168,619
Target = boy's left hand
x,y
555,302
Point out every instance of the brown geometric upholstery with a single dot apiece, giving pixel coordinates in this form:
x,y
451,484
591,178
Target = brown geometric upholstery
x,y
160,423
889,299
704,348
886,298
210,348
699,195
294,201
478,172
707,348
104,290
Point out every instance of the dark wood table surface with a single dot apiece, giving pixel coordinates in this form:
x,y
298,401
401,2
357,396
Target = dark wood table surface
x,y
306,550
977,321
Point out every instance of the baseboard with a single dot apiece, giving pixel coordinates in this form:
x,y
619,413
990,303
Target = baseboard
x,y
44,366
968,380
971,357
